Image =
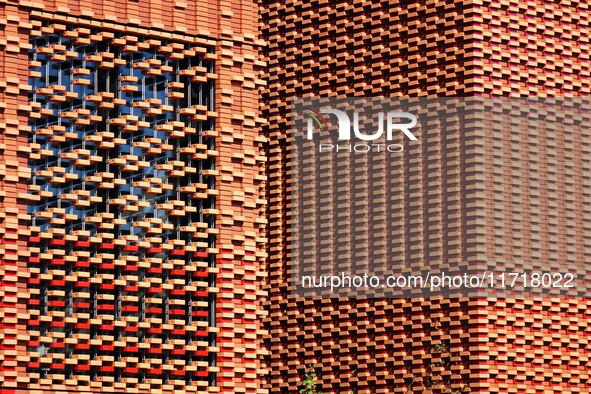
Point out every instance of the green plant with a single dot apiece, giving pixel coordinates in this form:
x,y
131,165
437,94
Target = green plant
x,y
309,382
436,377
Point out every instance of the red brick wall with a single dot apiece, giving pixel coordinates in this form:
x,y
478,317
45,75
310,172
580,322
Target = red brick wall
x,y
232,28
14,174
367,48
363,48
242,184
535,49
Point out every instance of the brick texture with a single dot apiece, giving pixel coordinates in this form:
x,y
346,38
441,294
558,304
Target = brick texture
x,y
203,295
371,48
535,49
316,48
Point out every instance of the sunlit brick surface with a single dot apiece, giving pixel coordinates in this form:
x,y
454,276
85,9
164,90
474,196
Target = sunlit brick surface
x,y
535,49
532,48
314,48
133,200
123,210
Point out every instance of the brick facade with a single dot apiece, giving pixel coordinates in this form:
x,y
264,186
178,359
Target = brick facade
x,y
69,295
258,338
368,48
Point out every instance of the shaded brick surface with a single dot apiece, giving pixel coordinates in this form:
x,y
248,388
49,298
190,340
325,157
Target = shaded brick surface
x,y
225,33
428,48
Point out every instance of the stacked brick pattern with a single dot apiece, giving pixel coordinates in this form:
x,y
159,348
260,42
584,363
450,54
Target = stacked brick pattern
x,y
242,218
122,244
409,48
205,283
535,49
532,48
432,48
14,175
367,48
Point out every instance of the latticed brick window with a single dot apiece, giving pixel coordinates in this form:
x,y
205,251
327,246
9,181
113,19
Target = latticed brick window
x,y
123,193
